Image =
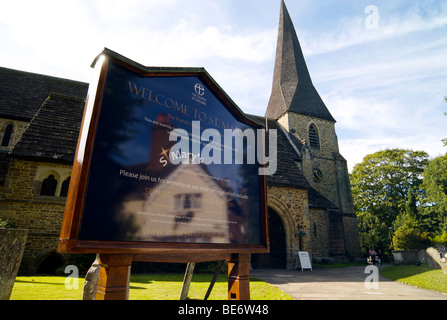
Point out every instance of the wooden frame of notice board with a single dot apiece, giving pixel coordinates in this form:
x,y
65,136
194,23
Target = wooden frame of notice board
x,y
122,201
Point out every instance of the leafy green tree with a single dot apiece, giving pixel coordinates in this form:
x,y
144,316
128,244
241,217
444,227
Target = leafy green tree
x,y
381,183
435,187
408,237
409,231
441,239
373,233
410,207
380,188
410,215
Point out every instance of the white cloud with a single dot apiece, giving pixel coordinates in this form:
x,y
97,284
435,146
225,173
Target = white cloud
x,y
366,126
351,31
67,35
186,43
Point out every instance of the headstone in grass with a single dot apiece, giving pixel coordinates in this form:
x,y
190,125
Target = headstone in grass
x,y
12,245
91,281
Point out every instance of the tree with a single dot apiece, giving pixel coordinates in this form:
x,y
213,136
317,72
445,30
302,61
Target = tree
x,y
381,183
411,207
373,233
409,231
380,188
410,216
408,237
435,187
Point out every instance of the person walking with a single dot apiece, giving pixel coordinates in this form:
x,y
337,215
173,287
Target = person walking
x,y
372,254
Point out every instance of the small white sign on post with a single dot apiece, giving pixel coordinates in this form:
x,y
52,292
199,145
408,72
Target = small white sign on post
x,y
303,259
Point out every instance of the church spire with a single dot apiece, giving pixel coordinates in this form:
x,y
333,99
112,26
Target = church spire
x,y
292,88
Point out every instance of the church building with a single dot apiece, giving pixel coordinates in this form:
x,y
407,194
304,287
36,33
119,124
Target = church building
x,y
310,204
309,198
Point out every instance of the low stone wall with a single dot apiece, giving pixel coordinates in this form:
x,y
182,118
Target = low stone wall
x,y
406,257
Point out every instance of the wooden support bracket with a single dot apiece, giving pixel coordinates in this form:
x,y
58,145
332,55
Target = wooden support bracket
x,y
114,277
239,277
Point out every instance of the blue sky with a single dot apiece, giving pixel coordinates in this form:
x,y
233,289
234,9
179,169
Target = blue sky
x,y
384,85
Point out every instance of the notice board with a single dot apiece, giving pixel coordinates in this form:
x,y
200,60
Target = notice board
x,y
133,191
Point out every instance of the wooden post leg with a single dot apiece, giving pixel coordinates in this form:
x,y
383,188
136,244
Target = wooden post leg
x,y
216,274
238,277
187,281
114,275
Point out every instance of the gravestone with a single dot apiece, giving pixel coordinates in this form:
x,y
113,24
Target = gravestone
x,y
436,257
91,281
12,245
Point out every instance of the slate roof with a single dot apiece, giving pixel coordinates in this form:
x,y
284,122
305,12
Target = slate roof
x,y
22,93
292,88
318,201
53,132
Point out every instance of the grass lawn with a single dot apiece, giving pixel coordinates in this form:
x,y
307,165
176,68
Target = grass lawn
x,y
142,287
418,276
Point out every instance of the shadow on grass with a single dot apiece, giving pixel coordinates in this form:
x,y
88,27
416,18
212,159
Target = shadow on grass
x,y
152,278
38,282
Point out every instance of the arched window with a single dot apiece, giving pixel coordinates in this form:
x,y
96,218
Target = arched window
x,y
49,186
64,188
7,136
314,139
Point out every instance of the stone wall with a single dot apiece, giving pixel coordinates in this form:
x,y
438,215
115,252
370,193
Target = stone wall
x,y
21,203
335,184
326,131
292,205
406,256
319,233
19,128
322,158
352,237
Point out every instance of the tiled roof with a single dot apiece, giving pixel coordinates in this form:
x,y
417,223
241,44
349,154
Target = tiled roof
x,y
22,93
53,132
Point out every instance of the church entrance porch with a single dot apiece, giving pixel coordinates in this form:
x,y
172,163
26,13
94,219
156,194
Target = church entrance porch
x,y
277,257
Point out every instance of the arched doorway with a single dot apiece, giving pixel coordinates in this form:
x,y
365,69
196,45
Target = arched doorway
x,y
49,263
277,235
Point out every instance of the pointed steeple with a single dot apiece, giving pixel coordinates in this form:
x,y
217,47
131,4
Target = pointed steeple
x,y
293,89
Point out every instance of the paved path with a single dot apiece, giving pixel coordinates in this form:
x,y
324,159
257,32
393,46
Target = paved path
x,y
341,284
